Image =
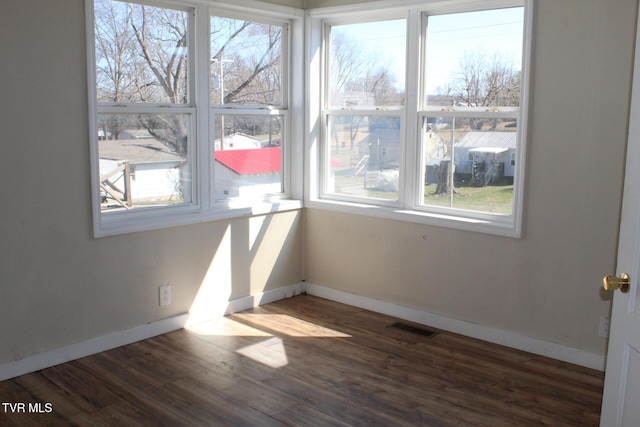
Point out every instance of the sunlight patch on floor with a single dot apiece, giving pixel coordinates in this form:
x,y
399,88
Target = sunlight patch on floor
x,y
290,326
268,330
225,327
270,352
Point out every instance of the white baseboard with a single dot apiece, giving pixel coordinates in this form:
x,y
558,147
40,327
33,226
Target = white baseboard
x,y
117,339
218,310
497,336
92,346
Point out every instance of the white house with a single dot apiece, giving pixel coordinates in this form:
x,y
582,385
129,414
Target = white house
x,y
248,172
156,174
238,141
493,153
135,134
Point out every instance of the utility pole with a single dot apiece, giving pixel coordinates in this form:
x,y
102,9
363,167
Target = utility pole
x,y
221,61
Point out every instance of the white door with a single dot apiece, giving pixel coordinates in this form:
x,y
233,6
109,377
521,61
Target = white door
x,y
621,400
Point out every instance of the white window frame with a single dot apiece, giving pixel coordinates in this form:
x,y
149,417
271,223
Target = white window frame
x,y
329,110
203,206
409,207
281,109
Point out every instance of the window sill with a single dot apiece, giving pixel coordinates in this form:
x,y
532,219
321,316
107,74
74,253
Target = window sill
x,y
119,225
507,227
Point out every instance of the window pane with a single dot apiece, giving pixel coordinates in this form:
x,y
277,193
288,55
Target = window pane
x,y
484,153
143,160
248,156
246,66
367,64
364,156
474,59
141,53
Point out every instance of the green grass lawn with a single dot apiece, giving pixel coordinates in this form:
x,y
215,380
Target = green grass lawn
x,y
494,199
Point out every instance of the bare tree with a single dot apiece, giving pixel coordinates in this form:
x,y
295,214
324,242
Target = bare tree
x,y
161,36
162,43
485,81
359,76
141,57
116,71
481,80
254,52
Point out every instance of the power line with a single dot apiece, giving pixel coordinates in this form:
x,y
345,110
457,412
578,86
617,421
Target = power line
x,y
476,27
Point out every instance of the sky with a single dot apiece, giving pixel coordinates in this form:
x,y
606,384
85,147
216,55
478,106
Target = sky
x,y
448,37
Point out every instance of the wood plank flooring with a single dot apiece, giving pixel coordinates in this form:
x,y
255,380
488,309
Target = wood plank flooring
x,y
306,361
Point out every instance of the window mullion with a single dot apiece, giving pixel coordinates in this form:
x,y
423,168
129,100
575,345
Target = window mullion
x,y
412,151
203,146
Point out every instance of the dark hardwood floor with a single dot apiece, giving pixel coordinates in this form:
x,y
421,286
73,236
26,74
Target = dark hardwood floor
x,y
306,361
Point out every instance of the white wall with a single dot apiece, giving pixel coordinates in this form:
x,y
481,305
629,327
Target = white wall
x,y
59,285
547,284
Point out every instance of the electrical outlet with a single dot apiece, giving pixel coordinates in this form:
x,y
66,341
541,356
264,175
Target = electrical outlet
x,y
164,292
604,327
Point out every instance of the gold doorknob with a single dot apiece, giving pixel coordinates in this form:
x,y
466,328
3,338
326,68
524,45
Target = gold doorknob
x,y
611,283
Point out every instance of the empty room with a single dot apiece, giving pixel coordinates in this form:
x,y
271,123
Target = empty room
x,y
319,212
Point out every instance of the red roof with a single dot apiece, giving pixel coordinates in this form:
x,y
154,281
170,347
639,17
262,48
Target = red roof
x,y
251,161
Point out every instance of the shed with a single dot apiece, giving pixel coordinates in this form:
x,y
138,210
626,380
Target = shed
x,y
248,172
157,174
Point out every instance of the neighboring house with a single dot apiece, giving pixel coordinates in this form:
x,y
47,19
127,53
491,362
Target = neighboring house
x,y
492,153
155,172
383,148
248,172
239,141
125,134
135,134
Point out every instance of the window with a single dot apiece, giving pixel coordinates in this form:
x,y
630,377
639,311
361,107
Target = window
x,y
364,109
145,111
471,109
248,106
423,112
190,113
